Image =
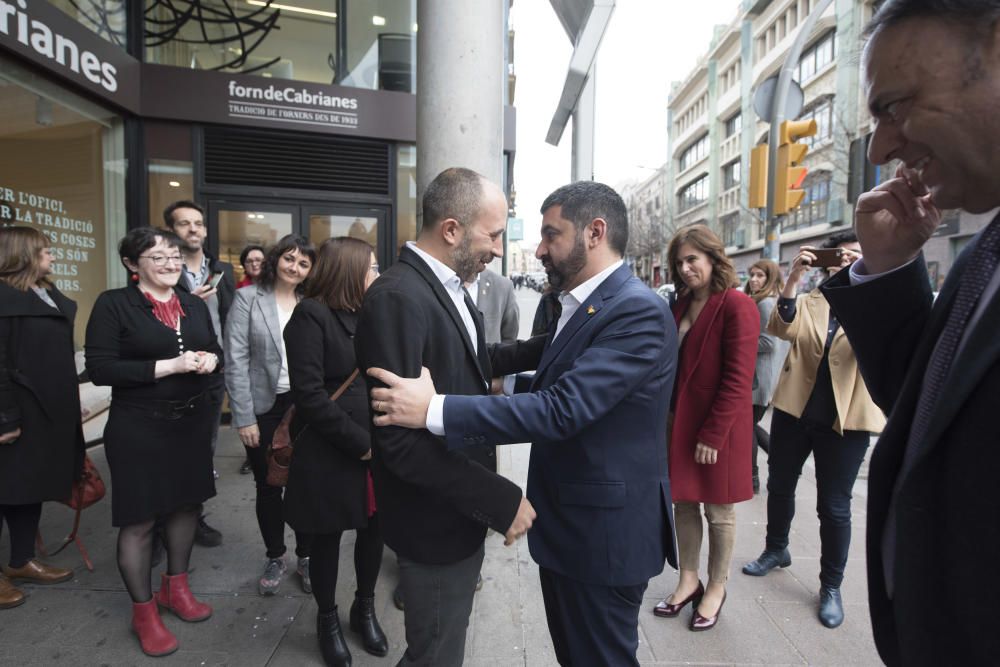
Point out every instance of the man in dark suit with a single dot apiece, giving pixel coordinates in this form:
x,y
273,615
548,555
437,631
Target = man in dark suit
x,y
187,220
933,84
596,415
435,504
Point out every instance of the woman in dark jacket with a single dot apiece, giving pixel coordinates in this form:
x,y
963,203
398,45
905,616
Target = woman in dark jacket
x,y
710,433
41,441
156,347
329,485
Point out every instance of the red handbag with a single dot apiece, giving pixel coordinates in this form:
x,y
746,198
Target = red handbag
x,y
88,489
85,492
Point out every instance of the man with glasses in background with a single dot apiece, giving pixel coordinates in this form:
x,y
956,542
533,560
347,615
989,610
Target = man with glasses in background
x,y
205,276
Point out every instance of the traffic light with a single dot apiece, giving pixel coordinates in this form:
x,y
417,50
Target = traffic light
x,y
758,176
788,175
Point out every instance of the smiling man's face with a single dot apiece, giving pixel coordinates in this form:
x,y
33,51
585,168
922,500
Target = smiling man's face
x,y
933,88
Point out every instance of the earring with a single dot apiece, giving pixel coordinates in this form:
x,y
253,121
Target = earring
x,y
135,277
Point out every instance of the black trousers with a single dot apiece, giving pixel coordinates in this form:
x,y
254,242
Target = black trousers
x,y
838,459
591,624
325,563
270,513
22,522
438,605
761,440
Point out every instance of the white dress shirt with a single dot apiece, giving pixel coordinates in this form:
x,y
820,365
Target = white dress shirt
x,y
570,301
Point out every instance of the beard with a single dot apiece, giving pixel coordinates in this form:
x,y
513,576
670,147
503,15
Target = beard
x,y
467,262
561,272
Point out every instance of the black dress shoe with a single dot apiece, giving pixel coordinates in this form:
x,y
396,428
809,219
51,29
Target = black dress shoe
x,y
767,561
831,607
205,535
331,640
364,622
397,597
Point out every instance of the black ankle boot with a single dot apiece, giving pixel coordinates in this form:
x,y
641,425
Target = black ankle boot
x,y
331,640
363,622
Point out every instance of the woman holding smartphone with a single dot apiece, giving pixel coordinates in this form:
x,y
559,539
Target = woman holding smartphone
x,y
821,407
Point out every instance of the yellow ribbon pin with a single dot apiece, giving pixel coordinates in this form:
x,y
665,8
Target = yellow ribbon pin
x,y
590,310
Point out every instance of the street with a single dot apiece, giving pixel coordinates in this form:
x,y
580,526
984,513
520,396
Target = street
x,y
85,621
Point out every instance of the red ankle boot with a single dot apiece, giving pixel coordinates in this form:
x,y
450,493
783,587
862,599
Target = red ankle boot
x,y
175,595
154,638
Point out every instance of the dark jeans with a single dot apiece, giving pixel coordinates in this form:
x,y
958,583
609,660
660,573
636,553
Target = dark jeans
x,y
837,459
325,562
761,440
270,513
591,624
438,604
22,522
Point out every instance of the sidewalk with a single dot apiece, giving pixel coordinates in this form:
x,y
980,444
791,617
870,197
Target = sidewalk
x,y
85,621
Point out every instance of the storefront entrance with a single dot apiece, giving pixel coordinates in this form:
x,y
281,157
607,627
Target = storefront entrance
x,y
237,223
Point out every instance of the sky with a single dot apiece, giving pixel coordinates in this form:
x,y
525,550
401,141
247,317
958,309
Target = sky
x,y
648,44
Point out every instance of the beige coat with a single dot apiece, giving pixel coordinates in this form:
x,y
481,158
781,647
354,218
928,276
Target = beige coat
x,y
807,333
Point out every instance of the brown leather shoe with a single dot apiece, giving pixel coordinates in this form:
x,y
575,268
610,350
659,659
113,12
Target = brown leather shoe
x,y
38,573
9,596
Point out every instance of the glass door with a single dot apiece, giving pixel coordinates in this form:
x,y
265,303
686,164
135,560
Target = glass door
x,y
237,224
367,223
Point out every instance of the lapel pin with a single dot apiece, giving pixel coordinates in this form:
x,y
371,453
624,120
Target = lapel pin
x,y
590,310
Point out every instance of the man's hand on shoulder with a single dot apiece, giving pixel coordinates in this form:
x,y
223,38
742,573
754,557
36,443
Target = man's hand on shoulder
x,y
894,220
403,401
522,522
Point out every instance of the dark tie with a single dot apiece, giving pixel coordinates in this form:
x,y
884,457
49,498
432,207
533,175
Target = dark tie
x,y
976,275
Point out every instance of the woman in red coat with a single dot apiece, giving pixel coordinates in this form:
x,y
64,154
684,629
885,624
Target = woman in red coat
x,y
712,416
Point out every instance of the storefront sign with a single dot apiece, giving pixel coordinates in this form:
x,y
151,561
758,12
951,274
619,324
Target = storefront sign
x,y
292,103
41,33
173,93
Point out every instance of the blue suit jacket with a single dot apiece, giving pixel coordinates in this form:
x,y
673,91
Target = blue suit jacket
x,y
597,416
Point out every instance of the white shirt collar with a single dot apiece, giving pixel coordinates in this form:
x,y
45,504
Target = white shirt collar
x,y
582,292
442,271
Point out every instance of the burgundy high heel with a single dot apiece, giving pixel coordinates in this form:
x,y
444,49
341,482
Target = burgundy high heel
x,y
699,623
666,609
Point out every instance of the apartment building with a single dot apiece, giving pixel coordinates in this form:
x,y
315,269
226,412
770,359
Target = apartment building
x,y
650,226
713,127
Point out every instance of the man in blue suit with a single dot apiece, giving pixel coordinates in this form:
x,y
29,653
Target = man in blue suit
x,y
596,415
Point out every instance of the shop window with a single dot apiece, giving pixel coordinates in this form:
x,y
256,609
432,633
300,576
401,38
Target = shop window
x,y
406,195
298,39
62,170
106,18
169,180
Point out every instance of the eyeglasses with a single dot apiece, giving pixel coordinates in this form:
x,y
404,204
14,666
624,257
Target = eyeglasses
x,y
160,260
374,269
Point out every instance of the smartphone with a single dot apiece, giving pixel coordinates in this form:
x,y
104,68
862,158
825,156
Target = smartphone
x,y
215,280
827,257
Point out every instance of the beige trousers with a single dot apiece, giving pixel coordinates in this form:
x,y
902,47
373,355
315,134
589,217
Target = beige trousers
x,y
721,537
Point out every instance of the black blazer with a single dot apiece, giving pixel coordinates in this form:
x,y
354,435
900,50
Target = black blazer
x,y
38,394
434,505
326,482
948,511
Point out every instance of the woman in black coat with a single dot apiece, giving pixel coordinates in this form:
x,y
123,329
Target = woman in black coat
x,y
41,440
329,485
156,347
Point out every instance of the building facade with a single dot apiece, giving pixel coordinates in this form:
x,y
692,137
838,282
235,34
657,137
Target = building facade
x,y
278,118
650,226
713,128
